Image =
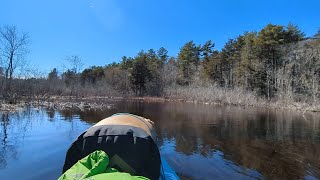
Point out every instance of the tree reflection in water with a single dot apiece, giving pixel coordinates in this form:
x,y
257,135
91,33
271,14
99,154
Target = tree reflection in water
x,y
199,141
278,144
12,132
4,135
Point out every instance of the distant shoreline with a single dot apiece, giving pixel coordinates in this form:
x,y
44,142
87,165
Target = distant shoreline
x,y
96,102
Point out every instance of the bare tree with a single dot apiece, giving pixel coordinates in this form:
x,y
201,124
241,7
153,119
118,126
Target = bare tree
x,y
13,48
76,63
71,76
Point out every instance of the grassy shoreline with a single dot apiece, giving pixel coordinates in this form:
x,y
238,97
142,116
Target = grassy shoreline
x,y
98,102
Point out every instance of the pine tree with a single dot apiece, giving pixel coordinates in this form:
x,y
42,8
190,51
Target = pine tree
x,y
140,74
188,61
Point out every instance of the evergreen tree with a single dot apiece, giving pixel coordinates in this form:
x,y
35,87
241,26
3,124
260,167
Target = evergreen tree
x,y
126,63
249,64
53,74
206,53
230,56
293,33
188,61
268,41
92,75
163,56
140,74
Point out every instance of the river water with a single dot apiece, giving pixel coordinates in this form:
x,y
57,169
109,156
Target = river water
x,y
198,141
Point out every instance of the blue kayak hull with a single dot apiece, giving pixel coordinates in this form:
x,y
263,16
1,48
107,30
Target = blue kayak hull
x,y
168,173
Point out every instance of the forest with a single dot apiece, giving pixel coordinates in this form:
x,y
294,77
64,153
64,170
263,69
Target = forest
x,y
277,65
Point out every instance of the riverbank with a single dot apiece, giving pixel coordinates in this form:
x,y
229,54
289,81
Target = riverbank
x,y
99,102
240,97
58,103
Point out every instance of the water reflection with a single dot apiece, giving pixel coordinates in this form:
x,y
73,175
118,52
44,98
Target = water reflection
x,y
199,141
12,133
4,135
34,142
212,165
278,144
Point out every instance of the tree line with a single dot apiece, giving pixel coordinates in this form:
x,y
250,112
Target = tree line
x,y
277,62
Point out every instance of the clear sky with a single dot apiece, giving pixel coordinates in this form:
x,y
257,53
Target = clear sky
x,y
102,31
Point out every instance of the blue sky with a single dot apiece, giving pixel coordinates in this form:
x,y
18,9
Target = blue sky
x,y
102,31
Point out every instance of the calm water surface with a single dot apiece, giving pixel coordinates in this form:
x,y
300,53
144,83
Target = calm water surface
x,y
198,141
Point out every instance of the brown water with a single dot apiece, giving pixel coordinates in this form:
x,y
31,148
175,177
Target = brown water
x,y
198,141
